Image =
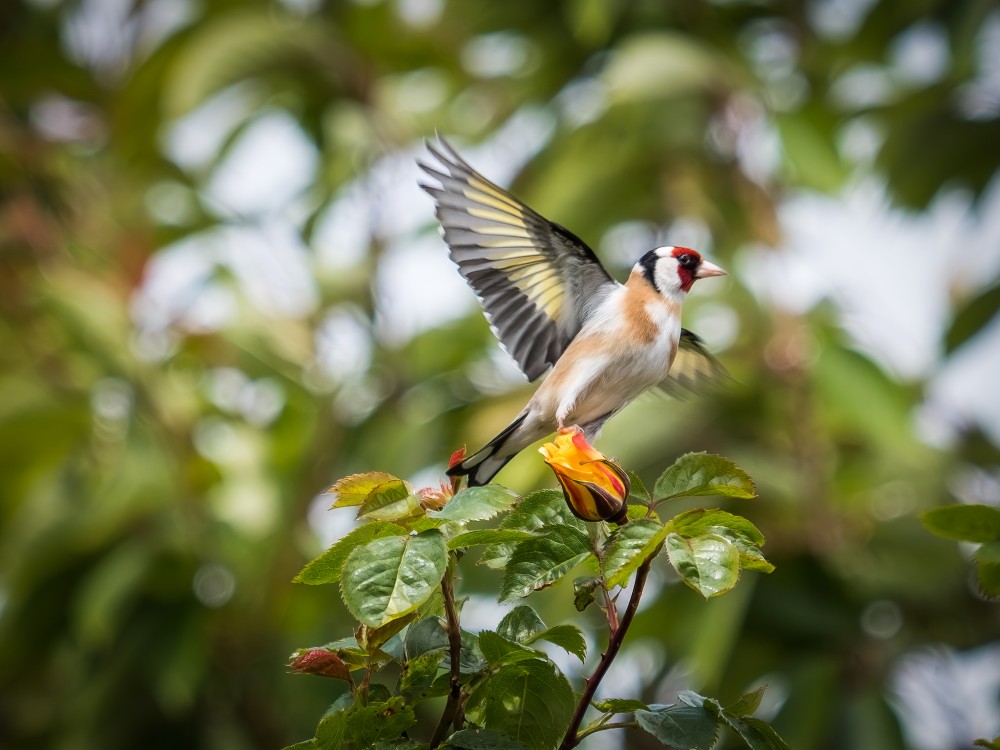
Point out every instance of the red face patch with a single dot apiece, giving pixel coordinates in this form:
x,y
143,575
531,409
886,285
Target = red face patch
x,y
688,261
679,251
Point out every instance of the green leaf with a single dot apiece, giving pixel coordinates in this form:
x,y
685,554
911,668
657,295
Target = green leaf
x,y
349,650
382,720
499,650
748,703
968,523
425,523
736,529
354,489
973,317
478,504
398,744
756,734
521,624
691,698
379,693
391,501
425,635
389,577
709,564
471,661
540,509
304,745
236,46
418,675
628,547
333,724
327,567
811,153
487,536
696,474
620,706
540,562
534,512
752,558
482,739
530,701
987,559
568,637
708,521
638,492
371,639
638,512
680,726
583,591
993,744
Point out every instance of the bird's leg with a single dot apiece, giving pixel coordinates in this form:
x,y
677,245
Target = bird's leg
x,y
592,430
563,415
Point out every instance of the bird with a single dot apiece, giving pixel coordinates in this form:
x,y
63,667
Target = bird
x,y
554,308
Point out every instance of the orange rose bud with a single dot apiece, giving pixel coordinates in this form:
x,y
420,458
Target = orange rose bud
x,y
595,487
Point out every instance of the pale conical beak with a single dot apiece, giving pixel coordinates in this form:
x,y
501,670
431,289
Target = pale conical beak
x,y
708,269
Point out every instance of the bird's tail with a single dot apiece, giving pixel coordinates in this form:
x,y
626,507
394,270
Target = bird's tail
x,y
483,465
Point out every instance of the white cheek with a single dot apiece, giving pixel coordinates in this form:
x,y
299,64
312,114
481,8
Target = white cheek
x,y
670,282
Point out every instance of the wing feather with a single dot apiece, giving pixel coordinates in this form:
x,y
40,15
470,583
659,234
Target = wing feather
x,y
536,280
694,369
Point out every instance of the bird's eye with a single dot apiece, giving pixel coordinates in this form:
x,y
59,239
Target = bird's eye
x,y
687,261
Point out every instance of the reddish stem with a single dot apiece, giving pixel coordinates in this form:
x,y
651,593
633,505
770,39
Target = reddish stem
x,y
454,704
615,638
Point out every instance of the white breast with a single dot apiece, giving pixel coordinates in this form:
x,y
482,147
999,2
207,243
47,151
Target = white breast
x,y
604,378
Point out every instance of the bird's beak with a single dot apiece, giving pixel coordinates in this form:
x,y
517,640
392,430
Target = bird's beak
x,y
708,269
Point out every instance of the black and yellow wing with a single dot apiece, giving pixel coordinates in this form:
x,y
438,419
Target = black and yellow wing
x,y
694,369
536,280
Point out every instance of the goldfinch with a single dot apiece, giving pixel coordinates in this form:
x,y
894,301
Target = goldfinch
x,y
551,303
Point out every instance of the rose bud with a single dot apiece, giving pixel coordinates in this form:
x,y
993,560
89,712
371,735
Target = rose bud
x,y
595,487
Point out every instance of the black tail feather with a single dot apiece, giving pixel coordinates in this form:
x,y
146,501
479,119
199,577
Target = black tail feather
x,y
473,467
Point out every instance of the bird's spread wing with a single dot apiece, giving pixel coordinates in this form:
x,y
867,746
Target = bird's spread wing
x,y
535,279
694,369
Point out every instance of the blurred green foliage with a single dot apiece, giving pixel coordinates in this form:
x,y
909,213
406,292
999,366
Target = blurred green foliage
x,y
159,464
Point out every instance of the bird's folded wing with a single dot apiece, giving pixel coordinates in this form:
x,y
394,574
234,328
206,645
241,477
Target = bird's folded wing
x,y
535,279
694,369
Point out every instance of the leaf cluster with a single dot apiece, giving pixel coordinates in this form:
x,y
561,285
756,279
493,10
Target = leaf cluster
x,y
396,570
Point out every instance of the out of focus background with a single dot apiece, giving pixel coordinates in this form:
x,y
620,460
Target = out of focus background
x,y
222,289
